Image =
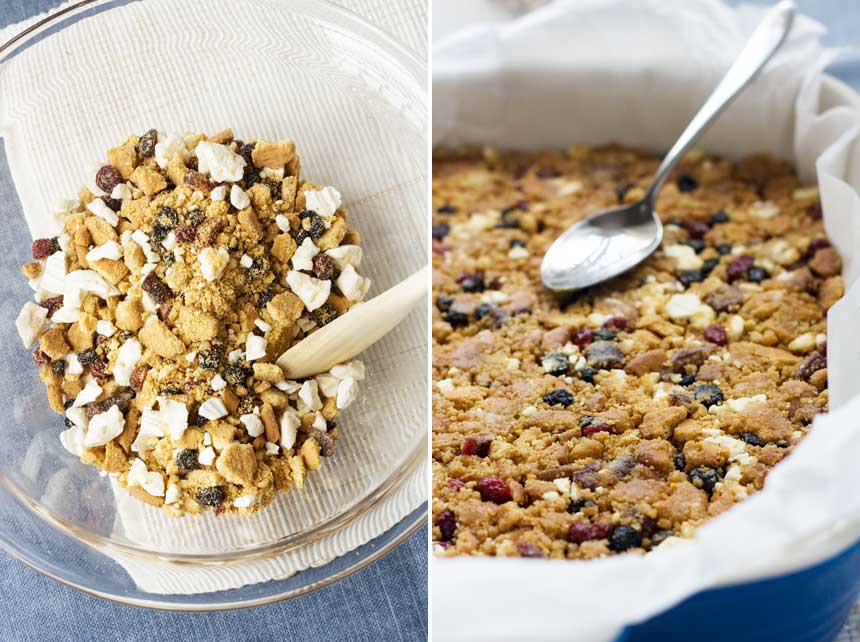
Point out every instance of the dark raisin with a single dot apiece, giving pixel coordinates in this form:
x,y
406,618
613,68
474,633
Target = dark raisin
x,y
680,461
605,334
815,212
323,267
125,335
752,439
483,310
324,314
52,304
723,249
157,289
738,268
577,505
716,334
447,525
107,178
686,183
210,359
510,223
306,214
113,203
212,496
471,282
583,532
547,172
247,405
186,460
167,218
192,162
158,233
147,143
708,394
59,367
197,181
582,337
68,403
170,391
440,232
330,424
696,229
621,191
121,401
757,274
87,356
195,217
812,364
558,398
299,235
625,537
259,267
719,217
68,422
186,234
324,440
444,303
704,479
688,277
236,373
138,376
516,243
43,248
316,227
446,209
697,244
688,380
555,364
456,318
588,373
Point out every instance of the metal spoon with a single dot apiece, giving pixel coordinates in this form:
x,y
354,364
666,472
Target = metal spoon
x,y
606,244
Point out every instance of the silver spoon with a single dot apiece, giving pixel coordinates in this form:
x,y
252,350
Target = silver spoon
x,y
608,243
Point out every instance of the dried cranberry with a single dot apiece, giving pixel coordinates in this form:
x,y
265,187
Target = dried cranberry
x,y
738,268
815,245
98,369
447,524
582,532
107,178
494,489
617,323
479,446
41,359
596,427
208,231
323,267
582,337
138,376
157,289
52,304
147,143
186,234
696,229
716,334
43,248
815,212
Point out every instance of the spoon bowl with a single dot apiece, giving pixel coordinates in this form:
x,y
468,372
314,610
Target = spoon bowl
x,y
602,246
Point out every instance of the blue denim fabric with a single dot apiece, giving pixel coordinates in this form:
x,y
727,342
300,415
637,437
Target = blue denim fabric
x,y
385,602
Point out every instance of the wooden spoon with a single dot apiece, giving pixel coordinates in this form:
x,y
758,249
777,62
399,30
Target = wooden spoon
x,y
355,331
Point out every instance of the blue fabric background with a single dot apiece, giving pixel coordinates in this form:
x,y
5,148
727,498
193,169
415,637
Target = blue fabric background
x,y
385,602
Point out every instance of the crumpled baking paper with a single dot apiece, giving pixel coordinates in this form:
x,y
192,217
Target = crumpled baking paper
x,y
57,117
635,72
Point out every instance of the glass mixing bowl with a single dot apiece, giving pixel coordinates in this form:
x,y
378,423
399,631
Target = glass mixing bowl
x,y
355,102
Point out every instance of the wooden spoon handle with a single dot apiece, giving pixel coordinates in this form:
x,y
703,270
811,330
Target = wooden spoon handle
x,y
358,329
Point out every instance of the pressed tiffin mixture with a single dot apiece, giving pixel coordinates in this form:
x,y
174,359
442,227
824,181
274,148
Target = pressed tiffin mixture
x,y
633,412
181,275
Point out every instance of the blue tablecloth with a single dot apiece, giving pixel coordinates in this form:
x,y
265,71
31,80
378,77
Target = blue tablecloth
x,y
385,602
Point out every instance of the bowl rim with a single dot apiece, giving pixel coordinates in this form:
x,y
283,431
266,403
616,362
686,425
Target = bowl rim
x,y
415,70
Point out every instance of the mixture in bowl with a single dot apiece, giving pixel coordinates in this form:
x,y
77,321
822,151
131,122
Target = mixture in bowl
x,y
180,277
632,412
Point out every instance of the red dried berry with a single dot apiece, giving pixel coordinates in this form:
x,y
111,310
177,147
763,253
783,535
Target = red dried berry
x,y
815,212
494,489
479,446
716,334
593,428
447,524
157,289
186,234
208,231
43,248
582,532
738,268
323,267
696,229
815,245
98,369
107,178
41,359
52,304
147,144
582,337
616,323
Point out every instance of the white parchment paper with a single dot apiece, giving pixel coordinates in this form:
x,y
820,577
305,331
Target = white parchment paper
x,y
169,64
634,72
